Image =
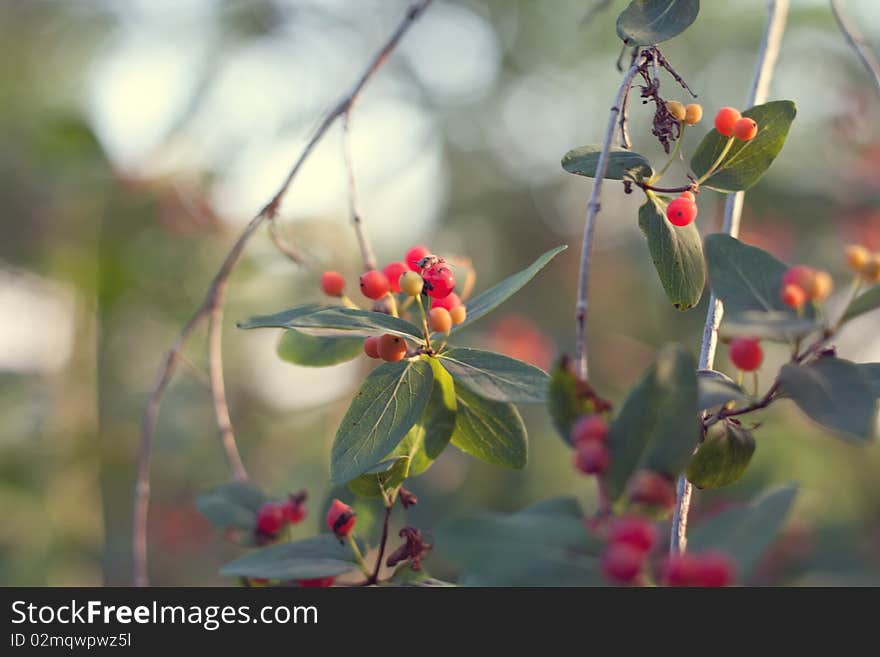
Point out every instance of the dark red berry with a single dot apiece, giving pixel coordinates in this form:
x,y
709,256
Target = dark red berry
x,y
439,281
651,489
374,284
746,354
295,508
415,255
318,583
636,532
622,563
589,427
340,519
679,570
591,457
714,569
270,519
393,272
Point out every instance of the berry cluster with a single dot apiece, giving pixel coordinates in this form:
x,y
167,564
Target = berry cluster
x,y
708,569
688,114
273,517
730,123
864,264
588,435
801,284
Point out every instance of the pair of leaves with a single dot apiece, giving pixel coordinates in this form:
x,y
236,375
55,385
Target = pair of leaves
x,y
648,22
545,544
656,428
310,558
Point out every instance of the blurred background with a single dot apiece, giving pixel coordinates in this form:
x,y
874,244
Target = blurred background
x,y
138,136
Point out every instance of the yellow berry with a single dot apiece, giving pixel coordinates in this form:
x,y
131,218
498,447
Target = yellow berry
x,y
439,320
822,286
857,257
871,271
411,284
676,109
693,113
458,314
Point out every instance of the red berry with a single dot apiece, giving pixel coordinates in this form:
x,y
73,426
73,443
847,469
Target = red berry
x,y
746,354
318,583
414,255
714,569
681,211
374,284
793,296
679,570
726,119
589,427
636,532
591,457
371,346
449,302
392,348
340,519
393,273
332,283
745,129
622,563
799,275
295,509
439,281
270,519
651,489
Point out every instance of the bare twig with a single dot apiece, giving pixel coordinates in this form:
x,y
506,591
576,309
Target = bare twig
x,y
857,41
211,310
624,109
357,221
382,544
593,207
767,56
283,245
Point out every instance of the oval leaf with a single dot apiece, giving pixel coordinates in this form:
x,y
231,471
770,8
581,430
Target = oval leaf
x,y
836,393
311,558
387,405
722,457
716,388
864,303
486,302
353,321
313,351
656,428
496,377
677,252
746,161
381,479
745,533
775,325
646,22
232,505
622,164
282,319
568,398
490,431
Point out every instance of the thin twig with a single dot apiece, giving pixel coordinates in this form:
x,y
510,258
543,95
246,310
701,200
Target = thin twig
x,y
857,41
767,56
208,310
624,109
357,220
382,544
593,207
283,245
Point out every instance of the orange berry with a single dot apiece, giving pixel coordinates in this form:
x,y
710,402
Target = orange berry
x,y
439,320
458,314
745,129
822,286
857,257
793,296
374,284
871,271
725,120
676,110
693,114
689,196
332,283
392,348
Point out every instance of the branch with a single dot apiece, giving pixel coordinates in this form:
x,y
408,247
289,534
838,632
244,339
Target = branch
x,y
283,245
382,543
857,42
367,254
767,56
211,309
593,207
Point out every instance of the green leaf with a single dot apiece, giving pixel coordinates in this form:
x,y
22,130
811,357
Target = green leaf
x,y
381,479
647,22
722,458
318,556
495,296
314,351
746,278
622,164
282,319
745,533
775,325
491,431
495,376
871,372
715,388
538,546
388,404
348,322
746,161
656,428
406,576
677,252
835,393
232,505
566,398
430,435
864,303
